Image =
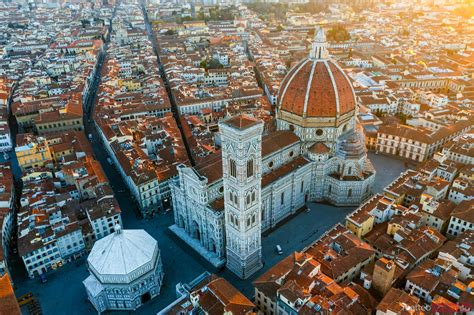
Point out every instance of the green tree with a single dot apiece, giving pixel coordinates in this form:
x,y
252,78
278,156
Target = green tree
x,y
214,64
338,34
311,7
211,63
267,11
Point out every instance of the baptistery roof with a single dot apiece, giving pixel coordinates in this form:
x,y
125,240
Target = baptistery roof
x,y
122,255
317,86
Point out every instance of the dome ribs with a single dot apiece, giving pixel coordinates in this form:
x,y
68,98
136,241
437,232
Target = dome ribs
x,y
322,98
294,97
316,88
346,98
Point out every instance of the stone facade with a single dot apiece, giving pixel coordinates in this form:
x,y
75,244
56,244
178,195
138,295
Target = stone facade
x,y
242,175
125,271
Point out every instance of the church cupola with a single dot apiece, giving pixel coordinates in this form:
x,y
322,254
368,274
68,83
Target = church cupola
x,y
319,48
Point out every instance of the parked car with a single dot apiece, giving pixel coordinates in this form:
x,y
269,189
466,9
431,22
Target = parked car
x,y
43,278
279,250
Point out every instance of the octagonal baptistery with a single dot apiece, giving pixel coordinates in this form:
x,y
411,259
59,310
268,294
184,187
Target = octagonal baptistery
x,y
125,270
316,98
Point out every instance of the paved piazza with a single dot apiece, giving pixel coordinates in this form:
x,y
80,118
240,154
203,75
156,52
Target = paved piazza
x,y
181,264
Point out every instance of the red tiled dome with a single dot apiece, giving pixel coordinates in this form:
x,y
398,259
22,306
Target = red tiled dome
x,y
316,88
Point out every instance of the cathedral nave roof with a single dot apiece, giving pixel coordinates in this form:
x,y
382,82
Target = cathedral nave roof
x,y
211,167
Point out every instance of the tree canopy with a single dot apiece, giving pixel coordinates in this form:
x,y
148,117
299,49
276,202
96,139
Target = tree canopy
x,y
217,14
211,63
338,34
264,10
311,7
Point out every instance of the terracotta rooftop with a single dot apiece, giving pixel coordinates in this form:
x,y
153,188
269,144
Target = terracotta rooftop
x,y
231,299
211,167
8,302
464,211
278,140
397,301
350,252
242,122
318,148
316,89
283,170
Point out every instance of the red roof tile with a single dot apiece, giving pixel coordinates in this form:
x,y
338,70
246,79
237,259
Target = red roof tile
x,y
328,94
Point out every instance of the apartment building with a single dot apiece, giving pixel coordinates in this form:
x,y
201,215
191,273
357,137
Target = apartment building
x,y
462,218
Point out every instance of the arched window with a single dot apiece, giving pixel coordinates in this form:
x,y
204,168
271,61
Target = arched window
x,y
232,168
349,170
250,168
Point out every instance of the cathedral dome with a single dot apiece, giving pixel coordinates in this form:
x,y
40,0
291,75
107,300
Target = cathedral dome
x,y
316,87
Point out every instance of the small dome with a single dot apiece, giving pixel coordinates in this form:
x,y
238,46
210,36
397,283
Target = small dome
x,y
318,148
351,145
317,86
122,253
